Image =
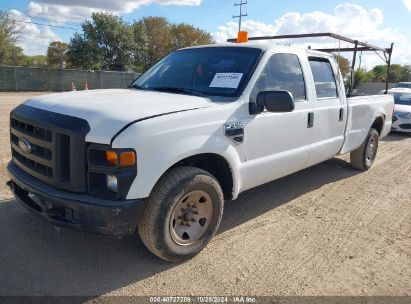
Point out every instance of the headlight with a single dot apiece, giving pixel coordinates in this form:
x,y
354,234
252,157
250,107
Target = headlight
x,y
111,172
112,183
405,115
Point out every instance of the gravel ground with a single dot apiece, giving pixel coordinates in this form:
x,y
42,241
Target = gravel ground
x,y
327,230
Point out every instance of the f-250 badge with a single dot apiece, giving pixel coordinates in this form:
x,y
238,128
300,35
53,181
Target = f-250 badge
x,y
235,131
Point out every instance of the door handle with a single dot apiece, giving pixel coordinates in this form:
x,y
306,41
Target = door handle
x,y
310,122
341,117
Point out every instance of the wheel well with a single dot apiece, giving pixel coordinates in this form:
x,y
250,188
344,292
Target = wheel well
x,y
378,124
215,165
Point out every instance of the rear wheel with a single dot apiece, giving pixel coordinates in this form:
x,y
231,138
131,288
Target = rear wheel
x,y
363,157
182,213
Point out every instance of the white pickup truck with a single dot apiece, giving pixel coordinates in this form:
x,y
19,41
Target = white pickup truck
x,y
197,129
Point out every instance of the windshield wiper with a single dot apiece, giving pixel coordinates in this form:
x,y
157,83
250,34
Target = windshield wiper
x,y
135,86
178,90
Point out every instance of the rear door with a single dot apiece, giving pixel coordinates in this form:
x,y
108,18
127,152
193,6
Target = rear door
x,y
329,111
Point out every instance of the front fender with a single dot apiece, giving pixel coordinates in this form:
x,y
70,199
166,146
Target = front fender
x,y
157,153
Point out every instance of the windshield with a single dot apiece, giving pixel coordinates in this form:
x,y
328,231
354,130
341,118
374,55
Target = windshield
x,y
402,99
211,71
403,85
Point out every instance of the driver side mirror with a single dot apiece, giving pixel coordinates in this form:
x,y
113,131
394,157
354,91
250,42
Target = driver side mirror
x,y
275,101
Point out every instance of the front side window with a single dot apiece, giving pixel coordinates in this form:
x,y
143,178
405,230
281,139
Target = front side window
x,y
210,71
282,72
324,78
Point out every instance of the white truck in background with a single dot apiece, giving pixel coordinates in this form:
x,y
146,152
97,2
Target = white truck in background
x,y
197,129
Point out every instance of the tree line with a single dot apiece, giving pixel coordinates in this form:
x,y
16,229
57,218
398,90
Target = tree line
x,y
398,73
378,73
108,42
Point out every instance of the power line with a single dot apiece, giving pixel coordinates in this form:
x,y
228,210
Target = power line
x,y
54,21
51,25
241,13
44,19
257,8
213,9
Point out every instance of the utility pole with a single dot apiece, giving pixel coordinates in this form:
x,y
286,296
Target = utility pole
x,y
241,13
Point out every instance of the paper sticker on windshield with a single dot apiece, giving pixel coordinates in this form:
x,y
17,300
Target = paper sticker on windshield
x,y
226,80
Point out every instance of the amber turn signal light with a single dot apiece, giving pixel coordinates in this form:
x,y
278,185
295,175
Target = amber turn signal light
x,y
127,159
111,157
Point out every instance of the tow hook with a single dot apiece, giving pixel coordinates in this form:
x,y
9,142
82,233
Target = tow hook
x,y
10,184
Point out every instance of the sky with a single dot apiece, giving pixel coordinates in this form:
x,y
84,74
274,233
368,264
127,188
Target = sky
x,y
379,22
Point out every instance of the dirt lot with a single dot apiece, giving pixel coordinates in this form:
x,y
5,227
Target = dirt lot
x,y
328,230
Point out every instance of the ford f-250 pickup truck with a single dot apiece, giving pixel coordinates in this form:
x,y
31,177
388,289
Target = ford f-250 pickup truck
x,y
198,128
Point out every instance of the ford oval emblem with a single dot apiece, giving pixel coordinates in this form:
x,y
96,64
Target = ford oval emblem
x,y
24,145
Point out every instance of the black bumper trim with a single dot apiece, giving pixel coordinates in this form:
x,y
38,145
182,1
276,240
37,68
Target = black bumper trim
x,y
72,210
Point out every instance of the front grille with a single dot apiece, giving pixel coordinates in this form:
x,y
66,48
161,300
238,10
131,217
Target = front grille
x,y
51,137
31,130
33,165
405,126
65,158
39,160
40,151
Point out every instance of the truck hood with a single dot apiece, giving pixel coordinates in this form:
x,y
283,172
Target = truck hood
x,y
108,111
402,108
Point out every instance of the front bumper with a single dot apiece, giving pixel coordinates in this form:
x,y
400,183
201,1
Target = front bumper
x,y
82,212
401,124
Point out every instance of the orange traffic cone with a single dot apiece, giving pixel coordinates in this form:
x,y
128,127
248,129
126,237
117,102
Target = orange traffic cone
x,y
73,88
86,86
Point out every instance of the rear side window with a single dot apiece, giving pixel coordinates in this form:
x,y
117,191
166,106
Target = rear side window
x,y
282,72
324,78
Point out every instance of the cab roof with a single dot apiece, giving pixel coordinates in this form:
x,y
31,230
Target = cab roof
x,y
261,46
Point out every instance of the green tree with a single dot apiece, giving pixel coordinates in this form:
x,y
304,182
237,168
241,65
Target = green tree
x,y
360,76
9,29
82,54
56,54
406,73
380,72
371,75
164,37
397,73
344,65
158,39
38,60
184,35
107,42
141,46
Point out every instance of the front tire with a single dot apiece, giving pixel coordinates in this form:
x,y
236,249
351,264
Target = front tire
x,y
363,157
182,213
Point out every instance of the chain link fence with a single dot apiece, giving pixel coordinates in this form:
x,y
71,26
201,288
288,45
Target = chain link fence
x,y
16,78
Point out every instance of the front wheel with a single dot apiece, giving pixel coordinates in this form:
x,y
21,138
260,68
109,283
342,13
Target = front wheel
x,y
363,157
182,213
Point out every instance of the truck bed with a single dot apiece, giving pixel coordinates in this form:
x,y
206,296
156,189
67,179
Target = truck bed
x,y
362,111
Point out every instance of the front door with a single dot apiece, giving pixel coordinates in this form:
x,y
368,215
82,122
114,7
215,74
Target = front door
x,y
277,144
